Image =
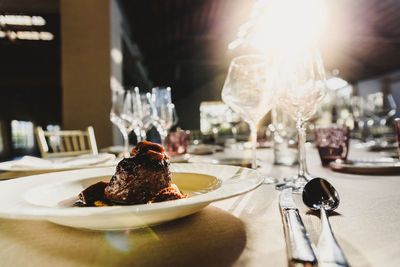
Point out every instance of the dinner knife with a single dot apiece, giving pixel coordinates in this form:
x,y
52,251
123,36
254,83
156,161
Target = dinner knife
x,y
297,243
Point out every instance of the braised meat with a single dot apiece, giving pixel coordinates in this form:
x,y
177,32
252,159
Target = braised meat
x,y
168,193
93,193
138,179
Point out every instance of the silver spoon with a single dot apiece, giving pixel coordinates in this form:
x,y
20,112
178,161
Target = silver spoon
x,y
319,194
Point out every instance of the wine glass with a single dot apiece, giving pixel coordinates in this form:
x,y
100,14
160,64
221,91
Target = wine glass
x,y
248,92
233,119
149,113
126,113
358,109
382,106
175,118
300,83
161,98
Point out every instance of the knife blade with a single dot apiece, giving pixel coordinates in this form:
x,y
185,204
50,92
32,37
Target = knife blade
x,y
297,243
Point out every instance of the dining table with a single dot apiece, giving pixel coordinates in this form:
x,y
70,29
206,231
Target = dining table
x,y
245,230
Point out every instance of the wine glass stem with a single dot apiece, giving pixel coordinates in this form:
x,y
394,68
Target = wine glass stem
x,y
143,134
301,129
253,132
138,134
163,136
126,145
234,132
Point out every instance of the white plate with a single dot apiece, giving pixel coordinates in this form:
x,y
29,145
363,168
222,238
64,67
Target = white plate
x,y
38,197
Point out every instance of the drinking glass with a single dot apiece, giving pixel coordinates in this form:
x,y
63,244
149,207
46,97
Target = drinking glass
x,y
161,97
299,79
397,133
358,111
284,134
332,143
248,92
149,113
175,118
233,119
126,113
177,142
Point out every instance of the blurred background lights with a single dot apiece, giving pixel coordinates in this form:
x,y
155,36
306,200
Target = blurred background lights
x,y
27,35
22,20
116,55
336,83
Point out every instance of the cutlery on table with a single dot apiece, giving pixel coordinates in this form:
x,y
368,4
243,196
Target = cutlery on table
x,y
319,194
298,245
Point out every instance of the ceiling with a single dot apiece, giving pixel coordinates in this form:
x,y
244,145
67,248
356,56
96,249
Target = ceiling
x,y
362,39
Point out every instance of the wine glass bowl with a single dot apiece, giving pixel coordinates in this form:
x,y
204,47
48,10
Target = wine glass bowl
x,y
245,87
161,98
149,114
300,83
126,113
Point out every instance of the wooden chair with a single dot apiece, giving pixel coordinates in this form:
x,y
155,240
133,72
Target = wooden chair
x,y
66,143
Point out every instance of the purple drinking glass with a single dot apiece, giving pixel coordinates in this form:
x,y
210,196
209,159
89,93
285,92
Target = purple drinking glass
x,y
332,143
397,133
176,143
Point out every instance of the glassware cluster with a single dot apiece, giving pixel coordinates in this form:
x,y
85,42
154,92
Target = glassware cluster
x,y
137,112
294,82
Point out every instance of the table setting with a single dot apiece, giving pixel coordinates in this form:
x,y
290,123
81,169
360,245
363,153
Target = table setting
x,y
206,204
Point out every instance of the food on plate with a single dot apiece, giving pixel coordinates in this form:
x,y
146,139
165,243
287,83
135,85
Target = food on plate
x,y
143,178
93,193
168,193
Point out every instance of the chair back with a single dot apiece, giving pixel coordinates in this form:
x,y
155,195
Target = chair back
x,y
66,142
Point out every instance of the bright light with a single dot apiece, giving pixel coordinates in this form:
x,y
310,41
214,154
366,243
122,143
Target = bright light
x,y
279,24
46,36
116,55
22,134
289,23
336,83
22,20
27,35
115,84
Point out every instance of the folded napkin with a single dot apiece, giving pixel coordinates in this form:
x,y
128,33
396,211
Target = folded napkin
x,y
64,162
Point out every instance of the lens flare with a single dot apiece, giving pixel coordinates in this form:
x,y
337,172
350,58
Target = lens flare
x,y
289,23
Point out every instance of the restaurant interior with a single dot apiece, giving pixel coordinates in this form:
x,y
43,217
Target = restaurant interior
x,y
241,89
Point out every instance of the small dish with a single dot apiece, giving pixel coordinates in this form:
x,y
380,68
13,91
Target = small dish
x,y
201,150
385,146
367,166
